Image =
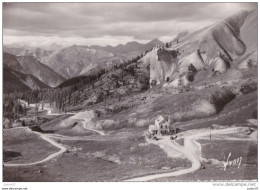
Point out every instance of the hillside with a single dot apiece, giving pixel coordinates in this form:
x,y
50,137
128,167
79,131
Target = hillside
x,y
248,32
34,67
30,65
14,81
198,59
11,62
212,50
115,84
78,60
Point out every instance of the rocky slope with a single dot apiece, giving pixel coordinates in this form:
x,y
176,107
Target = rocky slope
x,y
33,66
214,49
30,65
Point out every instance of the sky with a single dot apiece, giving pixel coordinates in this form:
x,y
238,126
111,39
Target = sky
x,y
42,24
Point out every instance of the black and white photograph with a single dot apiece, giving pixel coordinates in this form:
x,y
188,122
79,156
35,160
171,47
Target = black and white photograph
x,y
130,92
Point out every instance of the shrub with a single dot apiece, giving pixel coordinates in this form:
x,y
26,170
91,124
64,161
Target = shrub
x,y
220,98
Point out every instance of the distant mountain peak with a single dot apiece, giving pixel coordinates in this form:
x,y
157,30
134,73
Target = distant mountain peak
x,y
155,41
132,43
54,47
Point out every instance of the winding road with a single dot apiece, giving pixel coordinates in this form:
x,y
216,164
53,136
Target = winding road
x,y
46,138
191,150
49,137
91,129
84,122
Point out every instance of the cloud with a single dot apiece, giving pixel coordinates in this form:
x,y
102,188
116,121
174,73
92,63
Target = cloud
x,y
138,21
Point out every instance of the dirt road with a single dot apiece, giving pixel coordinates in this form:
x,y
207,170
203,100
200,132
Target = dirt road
x,y
50,112
191,150
86,119
49,137
91,129
46,138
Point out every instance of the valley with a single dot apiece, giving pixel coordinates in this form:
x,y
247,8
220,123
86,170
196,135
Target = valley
x,y
85,113
120,142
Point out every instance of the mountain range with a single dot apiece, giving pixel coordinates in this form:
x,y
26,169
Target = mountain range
x,y
225,45
81,60
131,48
28,71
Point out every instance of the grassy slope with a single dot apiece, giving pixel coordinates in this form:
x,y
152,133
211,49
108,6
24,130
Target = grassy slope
x,y
231,114
30,145
220,150
86,165
96,161
70,129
